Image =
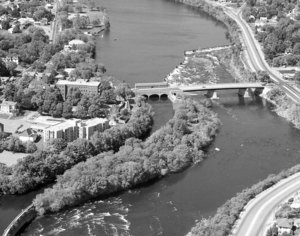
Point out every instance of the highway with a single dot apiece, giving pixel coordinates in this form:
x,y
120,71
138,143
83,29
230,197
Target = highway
x,y
256,56
258,211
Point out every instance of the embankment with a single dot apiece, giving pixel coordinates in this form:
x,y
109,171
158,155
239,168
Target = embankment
x,y
227,216
21,220
284,107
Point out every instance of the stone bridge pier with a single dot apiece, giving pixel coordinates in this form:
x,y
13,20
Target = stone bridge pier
x,y
244,92
212,94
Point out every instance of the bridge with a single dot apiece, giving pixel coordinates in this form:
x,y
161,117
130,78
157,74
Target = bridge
x,y
162,89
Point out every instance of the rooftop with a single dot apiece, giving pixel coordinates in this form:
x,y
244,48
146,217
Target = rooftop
x,y
78,82
93,121
63,125
76,42
8,103
284,223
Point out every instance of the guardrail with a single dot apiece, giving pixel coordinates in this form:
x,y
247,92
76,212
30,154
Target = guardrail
x,y
26,216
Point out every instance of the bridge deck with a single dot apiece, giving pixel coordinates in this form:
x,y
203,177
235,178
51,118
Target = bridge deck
x,y
201,87
223,86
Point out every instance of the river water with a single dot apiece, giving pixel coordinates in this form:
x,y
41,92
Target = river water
x,y
146,42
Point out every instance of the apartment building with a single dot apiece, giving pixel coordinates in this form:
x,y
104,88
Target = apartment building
x,y
73,129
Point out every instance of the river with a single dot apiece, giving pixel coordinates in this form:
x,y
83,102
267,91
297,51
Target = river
x,y
146,41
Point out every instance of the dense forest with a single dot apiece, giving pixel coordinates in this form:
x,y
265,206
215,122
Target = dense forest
x,y
42,167
175,146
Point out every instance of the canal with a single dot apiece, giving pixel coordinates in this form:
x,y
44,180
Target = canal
x,y
146,41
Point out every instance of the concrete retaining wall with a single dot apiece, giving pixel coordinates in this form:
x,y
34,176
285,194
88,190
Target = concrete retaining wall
x,y
25,217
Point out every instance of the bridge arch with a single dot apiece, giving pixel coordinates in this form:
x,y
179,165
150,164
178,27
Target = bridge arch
x,y
164,96
154,96
145,96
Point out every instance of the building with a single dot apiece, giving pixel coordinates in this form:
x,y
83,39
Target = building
x,y
86,88
67,130
296,201
284,225
71,130
28,135
73,44
7,107
89,127
9,59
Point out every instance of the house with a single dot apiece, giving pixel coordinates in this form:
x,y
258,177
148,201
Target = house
x,y
296,202
44,21
73,44
297,222
9,59
76,42
4,79
26,21
284,225
7,107
28,135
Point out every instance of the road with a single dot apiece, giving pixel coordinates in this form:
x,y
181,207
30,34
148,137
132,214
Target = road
x,y
258,211
256,56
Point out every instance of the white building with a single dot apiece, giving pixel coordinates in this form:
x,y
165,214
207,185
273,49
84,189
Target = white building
x,y
71,130
89,127
9,59
7,107
296,202
73,44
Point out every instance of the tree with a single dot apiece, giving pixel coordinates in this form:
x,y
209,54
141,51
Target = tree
x,y
16,29
9,92
80,22
58,111
30,147
95,110
74,96
11,66
5,25
124,91
296,49
15,13
263,77
67,109
58,144
297,77
82,108
108,96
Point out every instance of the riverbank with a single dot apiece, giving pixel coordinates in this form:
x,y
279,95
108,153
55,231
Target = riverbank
x,y
284,107
225,221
